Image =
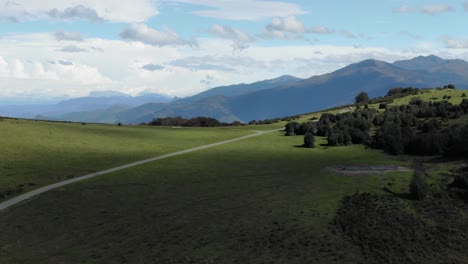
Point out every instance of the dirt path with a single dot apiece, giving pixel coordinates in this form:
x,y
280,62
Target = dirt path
x,y
26,196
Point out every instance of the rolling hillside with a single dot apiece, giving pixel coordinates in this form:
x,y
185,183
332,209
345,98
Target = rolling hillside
x,y
288,95
259,200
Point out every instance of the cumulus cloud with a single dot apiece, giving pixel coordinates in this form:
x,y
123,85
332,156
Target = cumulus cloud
x,y
64,62
453,43
205,63
125,11
244,9
287,24
152,67
75,12
291,28
428,10
147,35
72,48
71,36
239,38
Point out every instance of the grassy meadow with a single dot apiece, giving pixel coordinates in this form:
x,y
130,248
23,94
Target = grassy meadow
x,y
260,200
36,153
236,203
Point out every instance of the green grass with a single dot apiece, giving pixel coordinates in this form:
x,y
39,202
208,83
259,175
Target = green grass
x,y
259,200
35,153
244,202
433,95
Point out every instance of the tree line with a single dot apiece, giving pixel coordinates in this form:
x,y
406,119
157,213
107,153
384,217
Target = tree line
x,y
191,122
416,128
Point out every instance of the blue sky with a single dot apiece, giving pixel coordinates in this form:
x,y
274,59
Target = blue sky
x,y
181,47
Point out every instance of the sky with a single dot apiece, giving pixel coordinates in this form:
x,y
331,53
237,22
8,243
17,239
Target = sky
x,y
68,48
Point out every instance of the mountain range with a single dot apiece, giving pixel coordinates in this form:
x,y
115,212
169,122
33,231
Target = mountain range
x,y
96,101
285,95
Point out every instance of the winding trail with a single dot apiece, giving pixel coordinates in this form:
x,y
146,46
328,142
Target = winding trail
x,y
26,196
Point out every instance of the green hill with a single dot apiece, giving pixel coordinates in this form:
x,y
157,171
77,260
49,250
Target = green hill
x,y
259,200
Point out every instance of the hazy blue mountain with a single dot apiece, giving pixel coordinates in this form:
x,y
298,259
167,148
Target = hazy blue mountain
x,y
213,102
340,87
107,101
291,96
240,89
107,94
420,63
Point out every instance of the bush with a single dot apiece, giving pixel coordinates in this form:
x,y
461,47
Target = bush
x,y
362,98
309,140
418,187
383,106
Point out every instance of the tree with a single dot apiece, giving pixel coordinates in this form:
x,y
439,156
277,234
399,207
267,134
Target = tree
x,y
309,140
362,98
418,187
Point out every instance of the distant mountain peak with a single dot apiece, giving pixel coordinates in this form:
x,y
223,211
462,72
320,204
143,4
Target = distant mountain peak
x,y
284,79
420,62
108,93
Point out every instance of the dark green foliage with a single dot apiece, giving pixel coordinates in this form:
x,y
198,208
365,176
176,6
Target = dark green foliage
x,y
383,106
324,124
463,95
290,128
306,127
192,122
402,129
351,128
294,128
450,86
309,140
362,98
429,231
418,187
119,124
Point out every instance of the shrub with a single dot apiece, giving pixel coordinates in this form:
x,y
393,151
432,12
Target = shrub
x,y
362,98
309,140
418,187
383,106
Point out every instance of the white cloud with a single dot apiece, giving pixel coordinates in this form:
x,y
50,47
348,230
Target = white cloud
x,y
432,10
147,35
72,48
152,67
436,9
124,11
291,28
75,12
24,70
453,43
287,24
239,38
245,9
67,36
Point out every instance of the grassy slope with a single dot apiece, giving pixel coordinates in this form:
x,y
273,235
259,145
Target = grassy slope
x,y
256,201
224,204
37,153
